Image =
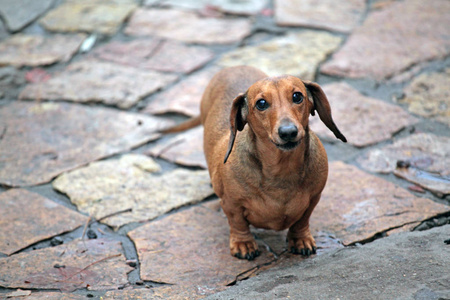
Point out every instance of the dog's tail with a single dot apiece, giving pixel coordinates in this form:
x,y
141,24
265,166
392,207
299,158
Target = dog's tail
x,y
191,123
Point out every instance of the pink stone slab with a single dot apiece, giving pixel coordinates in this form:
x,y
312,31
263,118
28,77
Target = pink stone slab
x,y
364,121
42,219
393,39
41,140
187,26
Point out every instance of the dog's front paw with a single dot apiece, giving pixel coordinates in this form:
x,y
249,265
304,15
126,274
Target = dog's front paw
x,y
302,245
244,250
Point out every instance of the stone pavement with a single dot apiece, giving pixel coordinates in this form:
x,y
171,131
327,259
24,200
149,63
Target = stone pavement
x,y
95,203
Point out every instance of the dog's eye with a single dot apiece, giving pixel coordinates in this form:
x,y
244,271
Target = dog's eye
x,y
262,104
297,97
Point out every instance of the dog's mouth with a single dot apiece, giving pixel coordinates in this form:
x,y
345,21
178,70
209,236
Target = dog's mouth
x,y
288,145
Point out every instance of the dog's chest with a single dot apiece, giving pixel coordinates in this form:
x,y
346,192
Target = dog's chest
x,y
277,211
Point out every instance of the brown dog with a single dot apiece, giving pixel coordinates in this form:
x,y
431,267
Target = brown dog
x,y
272,172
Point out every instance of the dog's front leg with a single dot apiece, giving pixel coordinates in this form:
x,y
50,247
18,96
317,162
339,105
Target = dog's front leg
x,y
300,239
242,242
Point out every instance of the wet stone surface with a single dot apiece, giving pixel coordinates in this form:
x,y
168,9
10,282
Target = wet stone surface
x,y
363,121
367,205
329,14
187,26
183,98
127,189
60,134
95,81
156,54
390,42
19,13
34,50
184,149
428,95
41,219
295,54
92,264
101,16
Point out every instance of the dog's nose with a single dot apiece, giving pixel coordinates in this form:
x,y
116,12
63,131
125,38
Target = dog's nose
x,y
288,133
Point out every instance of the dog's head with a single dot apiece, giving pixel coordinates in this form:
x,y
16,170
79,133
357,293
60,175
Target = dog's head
x,y
278,108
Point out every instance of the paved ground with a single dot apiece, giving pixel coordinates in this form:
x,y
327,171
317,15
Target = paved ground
x,y
95,203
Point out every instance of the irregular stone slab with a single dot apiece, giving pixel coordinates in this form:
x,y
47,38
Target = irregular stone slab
x,y
187,26
10,80
173,292
364,121
438,185
297,54
184,149
156,54
35,50
190,247
93,81
425,151
41,220
19,13
428,95
54,296
241,7
95,264
411,265
184,97
324,14
130,192
367,205
389,43
64,136
103,16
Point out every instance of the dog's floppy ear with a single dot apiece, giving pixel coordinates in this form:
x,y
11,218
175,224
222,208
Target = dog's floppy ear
x,y
322,106
238,119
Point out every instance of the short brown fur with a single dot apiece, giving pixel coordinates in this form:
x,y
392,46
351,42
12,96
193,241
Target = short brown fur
x,y
261,182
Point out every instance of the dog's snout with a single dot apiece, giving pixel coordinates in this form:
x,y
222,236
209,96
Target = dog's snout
x,y
288,132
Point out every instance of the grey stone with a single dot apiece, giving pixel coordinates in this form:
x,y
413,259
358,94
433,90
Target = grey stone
x,y
20,13
405,266
340,16
390,42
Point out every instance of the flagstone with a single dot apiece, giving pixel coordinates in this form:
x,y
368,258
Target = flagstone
x,y
297,54
323,14
425,151
156,54
190,247
96,264
363,120
41,140
428,95
120,191
102,16
390,42
19,13
184,149
10,80
54,296
173,292
355,206
184,97
421,158
95,81
42,219
242,7
187,26
35,50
